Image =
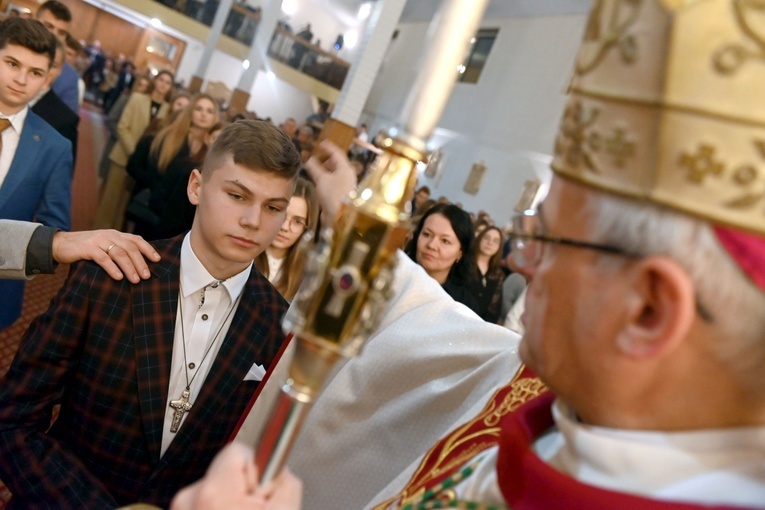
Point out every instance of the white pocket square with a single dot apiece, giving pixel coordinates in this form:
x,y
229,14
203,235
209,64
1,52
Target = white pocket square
x,y
255,373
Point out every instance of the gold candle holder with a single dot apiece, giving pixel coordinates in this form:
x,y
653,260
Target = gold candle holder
x,y
347,285
349,281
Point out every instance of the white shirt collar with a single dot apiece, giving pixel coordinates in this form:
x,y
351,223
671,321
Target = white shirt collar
x,y
194,275
17,119
723,466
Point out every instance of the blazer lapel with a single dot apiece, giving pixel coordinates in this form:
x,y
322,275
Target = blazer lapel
x,y
24,160
155,304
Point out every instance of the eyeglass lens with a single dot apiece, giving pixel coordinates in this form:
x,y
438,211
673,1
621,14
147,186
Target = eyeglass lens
x,y
296,223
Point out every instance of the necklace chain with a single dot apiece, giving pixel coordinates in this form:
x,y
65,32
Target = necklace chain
x,y
209,348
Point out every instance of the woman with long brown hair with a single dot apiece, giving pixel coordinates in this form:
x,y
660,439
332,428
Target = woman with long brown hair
x,y
283,262
487,280
161,165
177,104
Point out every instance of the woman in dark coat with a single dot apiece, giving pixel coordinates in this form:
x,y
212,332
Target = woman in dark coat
x,y
161,165
442,245
486,284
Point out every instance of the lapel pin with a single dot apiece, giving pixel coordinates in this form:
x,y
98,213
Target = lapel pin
x,y
36,138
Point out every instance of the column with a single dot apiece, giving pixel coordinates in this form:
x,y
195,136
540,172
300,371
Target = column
x,y
224,6
257,56
374,42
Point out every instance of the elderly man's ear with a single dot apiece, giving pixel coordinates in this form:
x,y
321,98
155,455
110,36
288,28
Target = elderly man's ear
x,y
661,307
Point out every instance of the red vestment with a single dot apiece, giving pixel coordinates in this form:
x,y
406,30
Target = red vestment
x,y
514,418
529,483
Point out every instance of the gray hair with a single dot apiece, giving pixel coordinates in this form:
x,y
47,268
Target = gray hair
x,y
736,304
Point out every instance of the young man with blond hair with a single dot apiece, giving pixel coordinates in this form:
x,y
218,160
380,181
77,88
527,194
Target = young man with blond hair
x,y
152,378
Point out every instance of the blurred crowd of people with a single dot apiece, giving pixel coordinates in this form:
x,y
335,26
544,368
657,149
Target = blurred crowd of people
x,y
158,134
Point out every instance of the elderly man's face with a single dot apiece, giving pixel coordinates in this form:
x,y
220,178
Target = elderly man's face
x,y
571,302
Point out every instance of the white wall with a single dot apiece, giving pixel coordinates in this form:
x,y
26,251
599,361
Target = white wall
x,y
223,67
268,97
188,64
506,120
272,97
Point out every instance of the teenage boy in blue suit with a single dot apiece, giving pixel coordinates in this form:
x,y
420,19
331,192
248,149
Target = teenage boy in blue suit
x,y
35,161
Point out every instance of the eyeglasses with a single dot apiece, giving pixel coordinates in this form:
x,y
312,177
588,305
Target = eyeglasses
x,y
296,223
527,246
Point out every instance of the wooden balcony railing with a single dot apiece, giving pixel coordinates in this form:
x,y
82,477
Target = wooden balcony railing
x,y
307,58
285,47
240,25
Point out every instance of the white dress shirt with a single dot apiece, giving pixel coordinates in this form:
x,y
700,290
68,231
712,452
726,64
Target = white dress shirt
x,y
274,266
11,137
208,307
713,467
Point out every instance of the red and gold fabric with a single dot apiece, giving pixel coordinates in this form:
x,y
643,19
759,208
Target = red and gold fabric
x,y
444,462
529,483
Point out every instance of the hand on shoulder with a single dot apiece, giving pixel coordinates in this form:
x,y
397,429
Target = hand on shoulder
x,y
120,254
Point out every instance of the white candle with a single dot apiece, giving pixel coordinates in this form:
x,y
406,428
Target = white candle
x,y
447,44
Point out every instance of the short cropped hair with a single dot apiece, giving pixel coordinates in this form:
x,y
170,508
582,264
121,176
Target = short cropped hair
x,y
29,33
255,144
59,10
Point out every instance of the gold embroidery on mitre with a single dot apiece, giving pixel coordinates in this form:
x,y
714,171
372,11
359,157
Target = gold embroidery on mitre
x,y
731,57
580,140
620,146
606,31
746,177
682,125
574,143
701,164
704,163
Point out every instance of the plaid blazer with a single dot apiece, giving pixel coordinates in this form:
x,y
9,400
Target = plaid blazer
x,y
103,351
